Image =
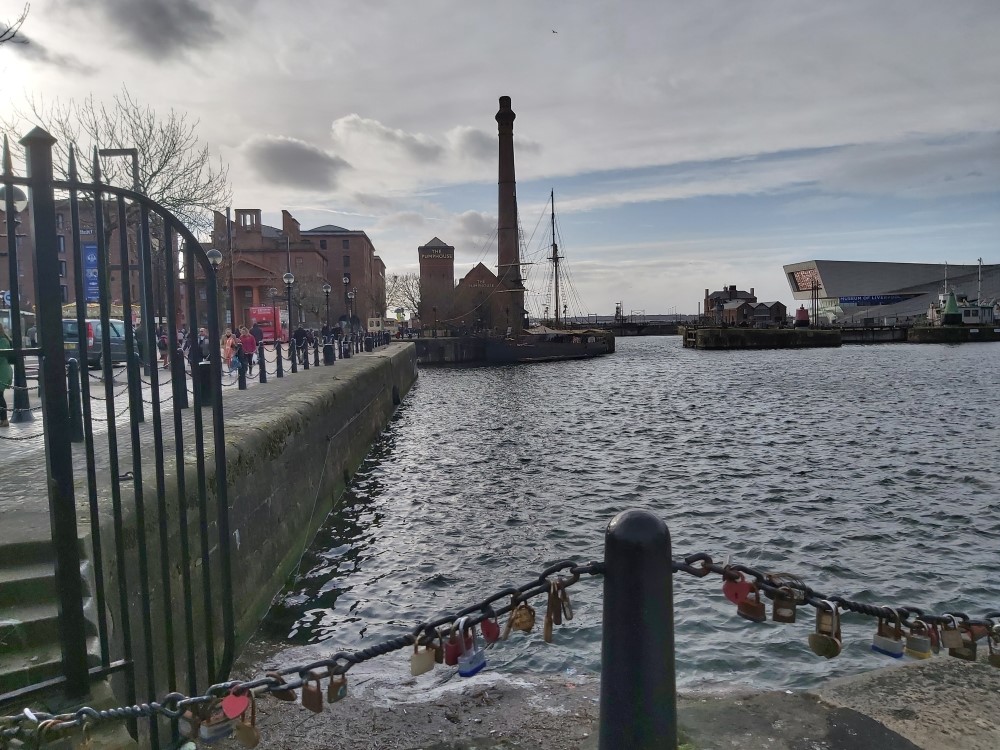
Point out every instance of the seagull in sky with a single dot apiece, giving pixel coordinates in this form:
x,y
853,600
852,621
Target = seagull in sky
x,y
554,31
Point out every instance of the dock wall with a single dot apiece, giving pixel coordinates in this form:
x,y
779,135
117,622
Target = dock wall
x,y
759,338
291,448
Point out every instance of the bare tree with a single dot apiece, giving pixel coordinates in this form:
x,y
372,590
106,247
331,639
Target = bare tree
x,y
402,290
308,296
8,31
175,168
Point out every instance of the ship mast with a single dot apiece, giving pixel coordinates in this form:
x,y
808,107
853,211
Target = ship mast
x,y
555,253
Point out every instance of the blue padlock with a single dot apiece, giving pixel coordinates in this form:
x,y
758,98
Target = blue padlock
x,y
471,660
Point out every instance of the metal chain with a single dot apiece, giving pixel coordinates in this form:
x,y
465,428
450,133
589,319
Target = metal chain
x,y
41,726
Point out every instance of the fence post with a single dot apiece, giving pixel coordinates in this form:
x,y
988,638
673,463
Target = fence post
x,y
304,349
75,403
55,416
277,351
132,371
241,377
315,352
178,376
261,362
638,693
293,351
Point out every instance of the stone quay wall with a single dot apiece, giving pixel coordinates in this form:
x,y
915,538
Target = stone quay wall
x,y
292,446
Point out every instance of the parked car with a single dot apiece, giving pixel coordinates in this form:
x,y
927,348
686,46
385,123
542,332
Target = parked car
x,y
95,352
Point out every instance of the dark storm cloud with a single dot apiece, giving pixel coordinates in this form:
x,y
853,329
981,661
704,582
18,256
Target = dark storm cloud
x,y
473,143
33,50
163,28
295,163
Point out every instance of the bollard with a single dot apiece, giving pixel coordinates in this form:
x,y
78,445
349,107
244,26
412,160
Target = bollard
x,y
638,693
304,353
369,343
328,358
316,352
75,402
241,375
277,351
261,362
293,353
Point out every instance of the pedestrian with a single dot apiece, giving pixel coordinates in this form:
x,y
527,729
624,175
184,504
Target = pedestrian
x,y
228,349
257,332
249,344
163,345
140,343
6,373
299,337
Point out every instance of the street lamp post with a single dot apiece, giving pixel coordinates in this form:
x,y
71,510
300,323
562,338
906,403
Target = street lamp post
x,y
326,290
275,323
289,279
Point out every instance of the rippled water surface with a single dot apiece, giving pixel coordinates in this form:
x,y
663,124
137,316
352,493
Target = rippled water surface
x,y
869,471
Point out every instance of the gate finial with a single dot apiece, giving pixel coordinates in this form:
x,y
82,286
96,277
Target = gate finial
x,y
73,176
97,166
38,136
7,168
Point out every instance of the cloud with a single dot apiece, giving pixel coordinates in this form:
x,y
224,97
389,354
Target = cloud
x,y
472,143
163,28
293,163
348,130
31,49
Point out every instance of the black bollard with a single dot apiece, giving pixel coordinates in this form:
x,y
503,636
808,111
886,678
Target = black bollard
x,y
328,358
304,352
316,352
241,375
638,692
261,362
293,353
277,351
75,402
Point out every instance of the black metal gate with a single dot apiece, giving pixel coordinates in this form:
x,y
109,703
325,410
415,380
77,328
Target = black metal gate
x,y
152,605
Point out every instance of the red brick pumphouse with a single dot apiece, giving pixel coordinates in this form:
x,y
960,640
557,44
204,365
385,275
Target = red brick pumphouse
x,y
736,307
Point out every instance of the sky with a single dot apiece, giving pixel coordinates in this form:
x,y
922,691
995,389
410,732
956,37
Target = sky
x,y
690,145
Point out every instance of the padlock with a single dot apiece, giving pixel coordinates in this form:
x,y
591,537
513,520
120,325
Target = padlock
x,y
455,646
935,635
555,604
471,660
951,636
918,642
490,626
785,605
312,693
421,661
337,689
277,692
968,650
235,704
567,608
826,640
752,608
438,648
993,643
247,734
216,727
736,590
888,639
522,617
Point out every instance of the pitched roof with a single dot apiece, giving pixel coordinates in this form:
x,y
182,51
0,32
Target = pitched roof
x,y
270,232
326,229
436,242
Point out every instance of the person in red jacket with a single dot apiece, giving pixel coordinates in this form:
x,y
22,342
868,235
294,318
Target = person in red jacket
x,y
249,348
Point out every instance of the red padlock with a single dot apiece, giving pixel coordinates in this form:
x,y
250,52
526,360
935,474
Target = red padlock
x,y
453,647
737,591
490,626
